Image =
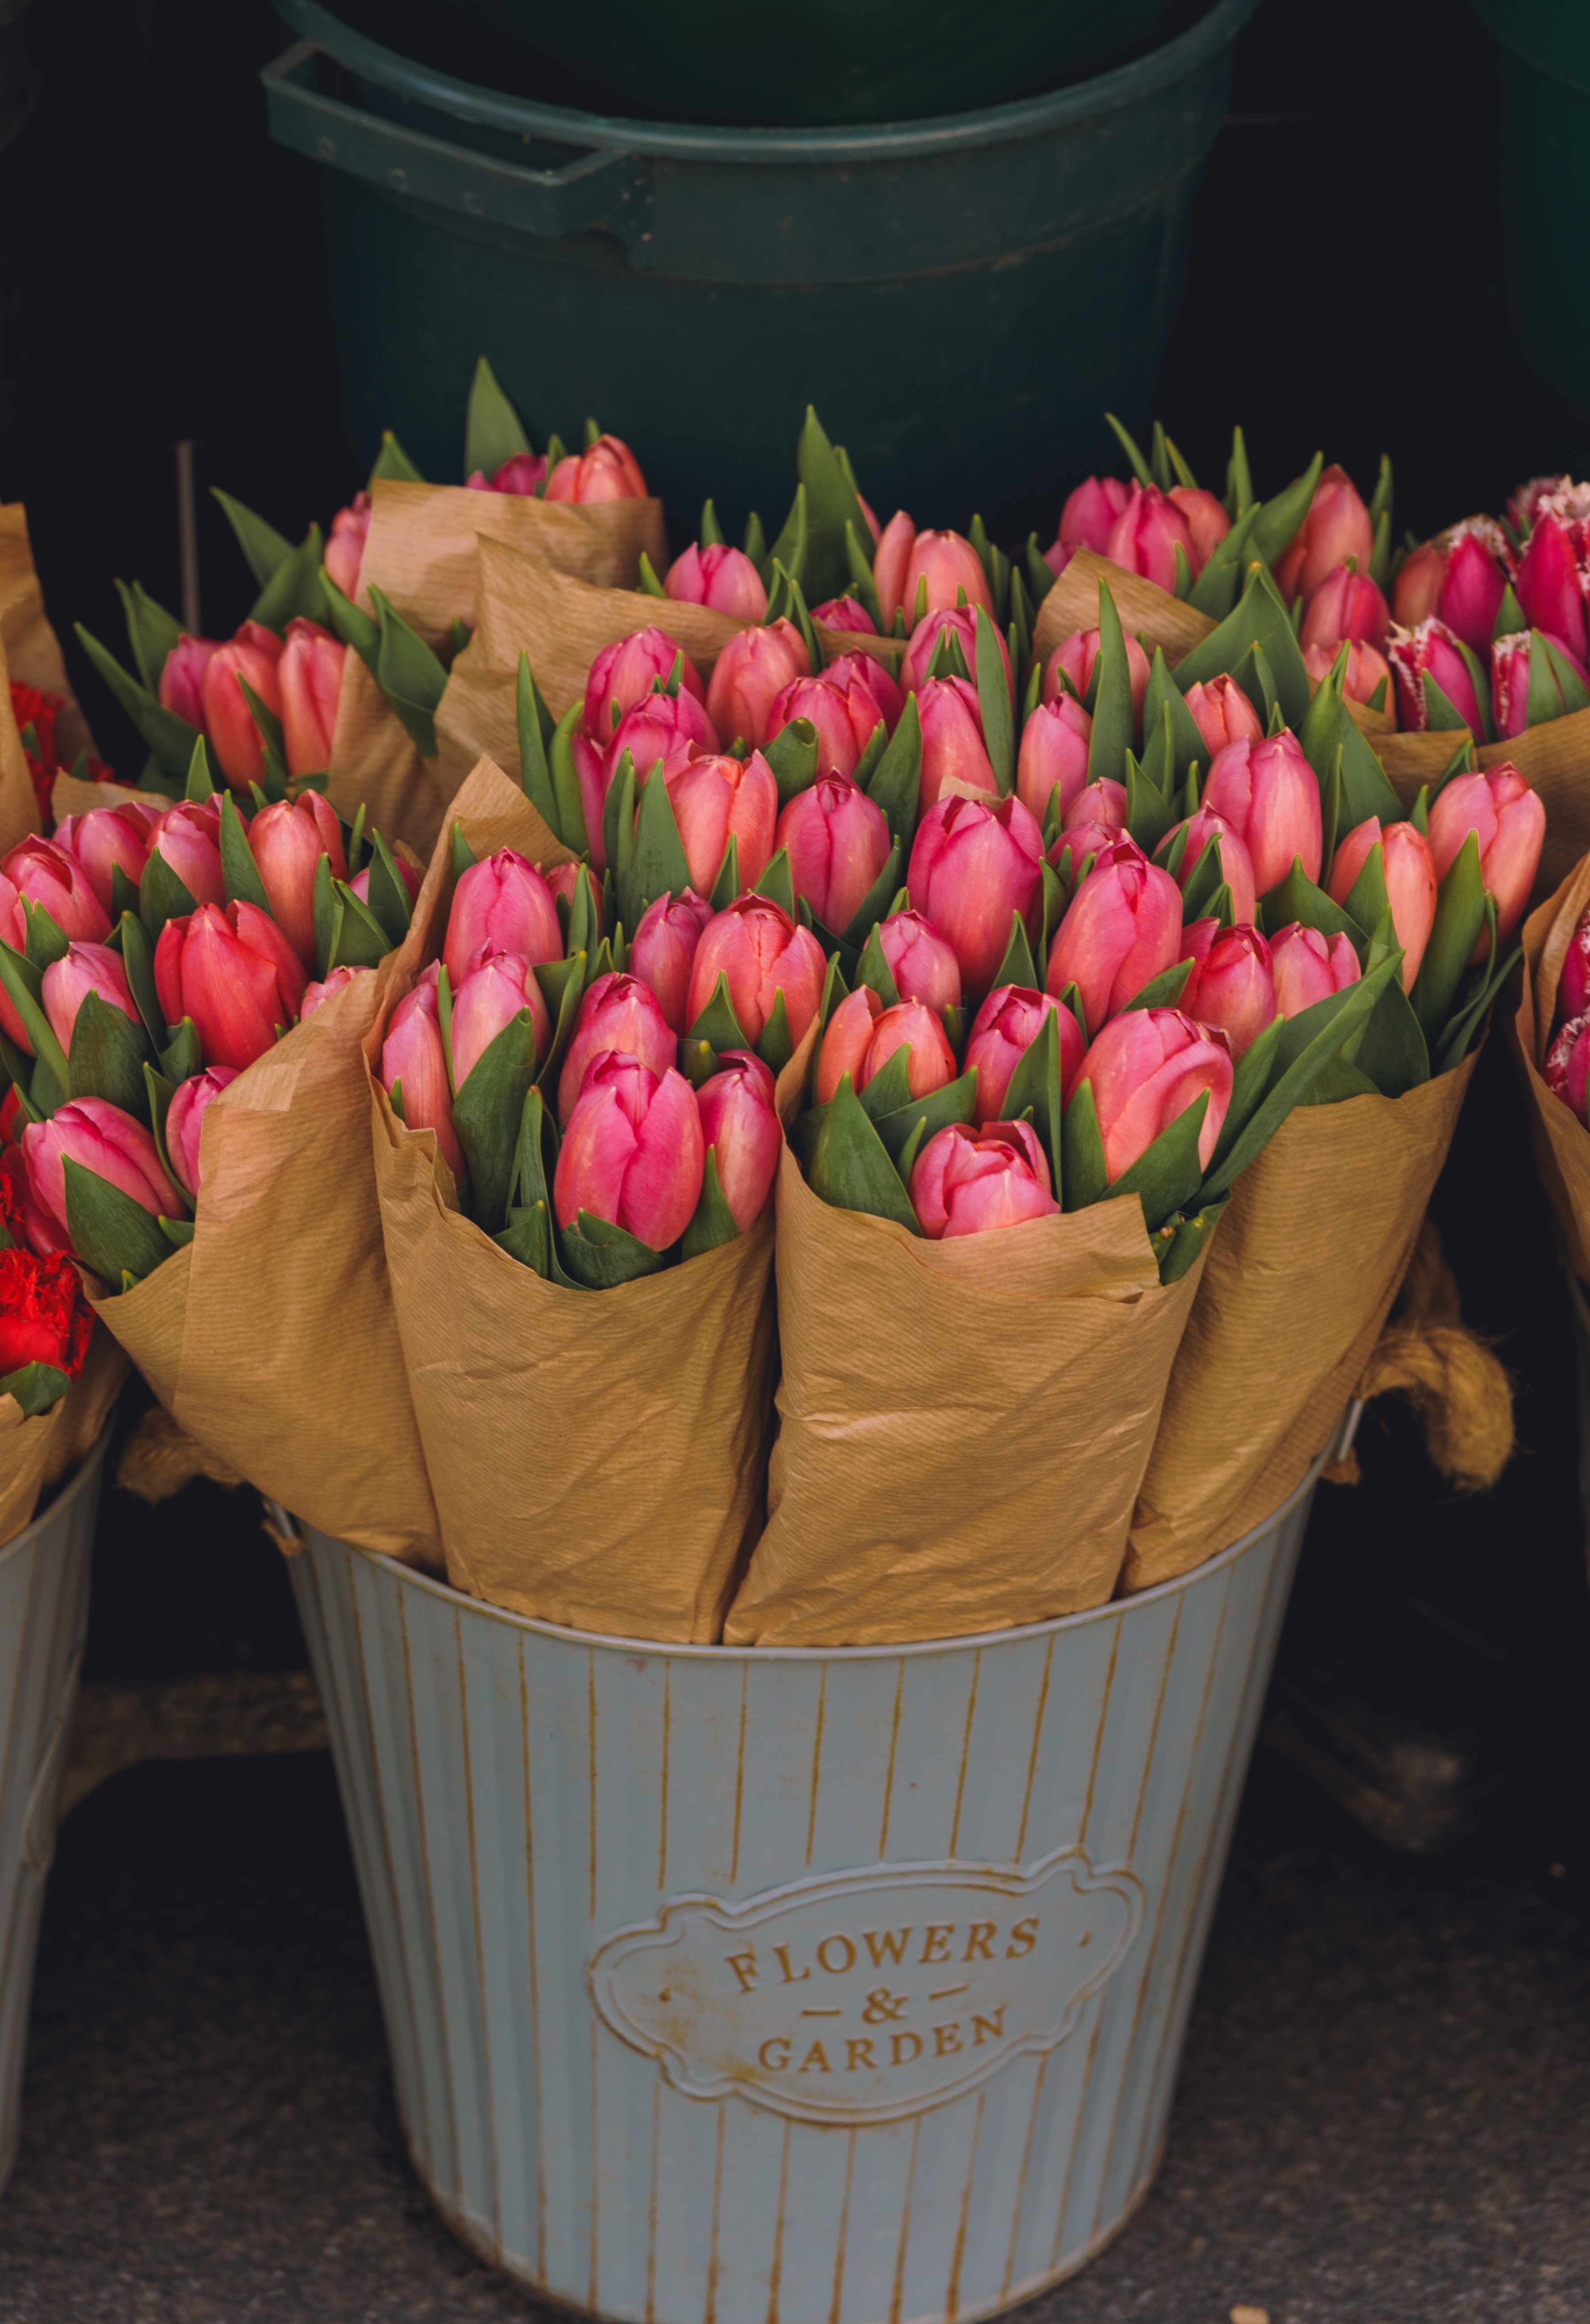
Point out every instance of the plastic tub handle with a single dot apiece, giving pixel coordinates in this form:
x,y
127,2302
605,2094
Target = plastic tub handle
x,y
594,191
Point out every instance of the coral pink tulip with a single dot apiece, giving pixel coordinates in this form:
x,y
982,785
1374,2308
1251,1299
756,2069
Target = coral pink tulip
x,y
664,946
761,952
634,1153
1232,985
254,657
909,565
181,679
1459,577
187,838
1002,1032
1223,714
625,673
608,470
1308,966
325,987
748,677
83,969
1075,659
1103,803
414,1070
838,843
100,1137
1147,534
717,798
310,677
1267,792
190,1101
1411,882
718,575
492,991
1368,670
503,902
46,875
740,1125
1146,1068
953,749
961,622
1236,866
106,840
966,1183
1121,928
845,614
618,1012
232,971
1088,517
1346,604
1335,528
845,715
1509,821
287,841
1205,520
664,731
923,965
974,864
345,549
520,474
1053,754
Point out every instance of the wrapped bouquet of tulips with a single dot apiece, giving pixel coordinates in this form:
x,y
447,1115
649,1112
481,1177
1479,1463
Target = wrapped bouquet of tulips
x,y
1550,1033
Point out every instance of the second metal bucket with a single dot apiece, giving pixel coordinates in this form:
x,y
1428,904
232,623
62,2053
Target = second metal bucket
x,y
771,1987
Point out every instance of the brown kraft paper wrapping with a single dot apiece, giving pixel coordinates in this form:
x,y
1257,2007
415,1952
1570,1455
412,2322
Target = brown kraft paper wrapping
x,y
30,647
38,1454
1554,759
1299,1280
271,1339
963,1425
597,1457
1561,1142
19,805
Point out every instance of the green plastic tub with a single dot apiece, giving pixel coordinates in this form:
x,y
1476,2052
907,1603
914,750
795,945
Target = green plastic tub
x,y
1546,183
961,298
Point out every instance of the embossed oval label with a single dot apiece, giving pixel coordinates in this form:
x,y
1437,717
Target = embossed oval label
x,y
866,1995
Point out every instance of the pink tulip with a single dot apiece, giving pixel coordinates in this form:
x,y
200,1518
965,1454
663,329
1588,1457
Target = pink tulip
x,y
1335,528
664,946
966,1184
1002,1032
739,1123
1267,792
1075,657
313,994
1205,519
974,864
1523,506
953,749
634,1153
49,877
413,881
252,656
946,562
520,474
190,1101
1366,671
1147,534
98,1137
748,678
1223,714
1053,754
762,952
665,730
862,1036
1231,986
1432,652
1509,822
412,1056
857,667
495,988
718,575
1071,849
105,839
608,470
1308,966
1511,662
846,715
1411,882
961,621
1121,928
345,549
1566,1070
187,839
310,676
232,971
719,798
1103,804
923,966
287,841
1146,1068
618,1012
1088,517
845,614
182,680
1059,555
1459,577
1236,866
624,674
1573,991
502,901
838,843
83,969
1346,604
1553,578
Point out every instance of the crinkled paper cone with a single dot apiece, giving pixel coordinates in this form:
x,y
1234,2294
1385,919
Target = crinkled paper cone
x,y
19,805
72,796
37,1455
1561,1142
597,1457
30,647
1301,1277
376,765
1554,759
963,1425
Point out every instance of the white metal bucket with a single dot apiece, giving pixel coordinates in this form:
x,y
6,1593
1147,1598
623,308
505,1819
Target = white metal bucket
x,y
769,1986
44,1615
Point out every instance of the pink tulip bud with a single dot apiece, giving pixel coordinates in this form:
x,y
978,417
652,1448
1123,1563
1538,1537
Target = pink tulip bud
x,y
719,798
862,1036
1308,966
345,549
1059,555
98,1137
608,470
182,680
414,1069
313,994
864,669
1073,849
961,621
1346,604
923,966
232,971
1236,866
1510,823
663,948
1411,882
633,1152
83,969
945,562
1075,660
522,474
502,901
1431,651
1205,520
1553,580
838,843
1523,506
1511,665
1566,1070
287,841
1002,1032
413,881
1231,986
187,839
1267,792
845,614
739,1123
718,575
1223,714
1053,755
1573,991
762,952
624,674
1121,929
1459,577
1146,1068
1335,528
953,749
618,1012
847,1037
1366,671
495,988
974,864
1147,534
49,877
229,722
105,839
190,1101
846,715
1088,517
665,730
310,677
964,1183
1103,804
748,678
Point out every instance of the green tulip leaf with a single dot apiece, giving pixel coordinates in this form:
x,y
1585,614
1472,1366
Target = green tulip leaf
x,y
151,632
492,432
792,754
1129,445
872,968
1278,523
874,905
1181,1239
717,1024
896,782
1082,1147
1219,584
535,722
1164,991
714,1222
1297,897
265,549
1307,1041
112,1234
409,675
1017,966
600,1257
1114,718
393,463
295,588
1041,576
849,1164
352,625
239,871
24,981
1460,915
1034,1090
389,904
169,738
994,702
360,941
184,1055
35,1386
568,819
1165,1176
108,1054
486,1113
1393,1052
922,1118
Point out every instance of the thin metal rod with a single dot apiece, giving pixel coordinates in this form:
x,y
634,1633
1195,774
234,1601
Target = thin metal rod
x,y
187,536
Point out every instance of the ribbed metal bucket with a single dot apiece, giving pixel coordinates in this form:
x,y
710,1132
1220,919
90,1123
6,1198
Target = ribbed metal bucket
x,y
768,1987
43,1614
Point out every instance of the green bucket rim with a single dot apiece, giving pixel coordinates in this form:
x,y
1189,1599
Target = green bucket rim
x,y
1127,85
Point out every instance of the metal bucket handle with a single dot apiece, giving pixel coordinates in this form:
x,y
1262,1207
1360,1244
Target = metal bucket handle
x,y
39,1818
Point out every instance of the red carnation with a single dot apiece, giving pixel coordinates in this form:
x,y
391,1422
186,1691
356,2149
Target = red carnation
x,y
45,1318
35,713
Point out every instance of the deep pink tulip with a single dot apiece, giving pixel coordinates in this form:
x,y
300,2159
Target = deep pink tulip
x,y
1460,577
1205,519
1053,754
254,656
503,902
1566,1070
83,969
608,470
1231,986
324,988
618,1012
1308,966
718,575
633,1152
862,1036
1573,990
287,841
1088,517
1510,823
1103,803
1553,578
345,549
762,952
1071,849
923,965
492,991
1223,714
847,716
187,838
412,1056
1411,882
1002,1032
665,730
1335,528
1121,928
717,798
1512,661
310,676
945,562
845,614
1346,604
664,946
190,1101
232,971
966,1183
974,863
1433,651
182,680
838,843
953,749
1267,792
1367,670
1075,657
749,675
739,1123
99,1136
1236,866
625,673
1523,504
520,474
858,668
107,838
961,621
1146,1068
53,879
1147,534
